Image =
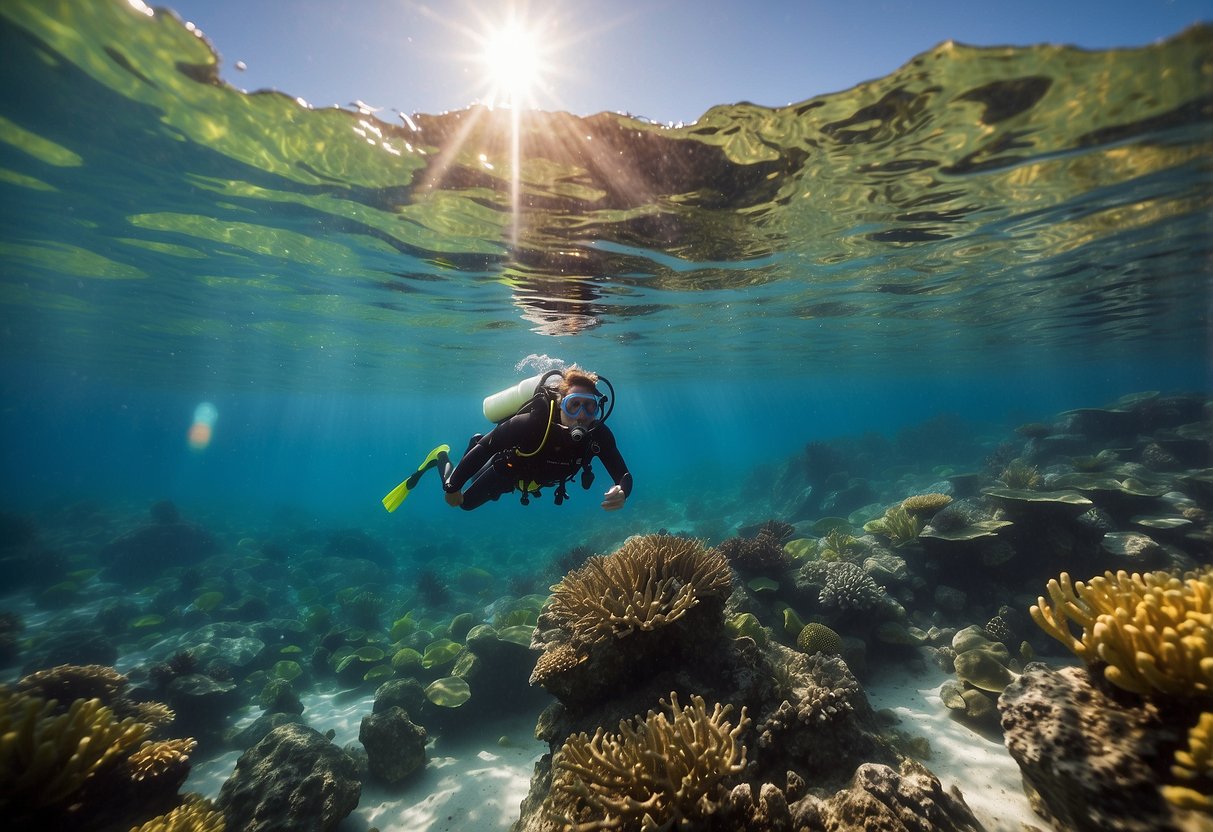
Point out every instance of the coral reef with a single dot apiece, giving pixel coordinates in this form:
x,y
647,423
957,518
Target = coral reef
x,y
818,638
156,759
1153,631
66,683
45,757
848,587
649,582
1193,769
194,815
1092,762
664,772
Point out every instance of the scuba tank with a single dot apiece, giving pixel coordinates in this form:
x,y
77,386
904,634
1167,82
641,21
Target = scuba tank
x,y
505,403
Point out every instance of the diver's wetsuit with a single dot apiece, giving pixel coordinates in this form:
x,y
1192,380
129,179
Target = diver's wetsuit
x,y
496,464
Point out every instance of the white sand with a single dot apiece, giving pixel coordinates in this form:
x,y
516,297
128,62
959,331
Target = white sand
x,y
980,766
469,784
475,784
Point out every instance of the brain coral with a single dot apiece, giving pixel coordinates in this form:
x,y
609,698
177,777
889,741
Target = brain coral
x,y
1154,631
649,582
818,638
663,773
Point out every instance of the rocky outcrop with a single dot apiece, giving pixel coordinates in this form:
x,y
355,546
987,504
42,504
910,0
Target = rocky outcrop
x,y
294,780
1090,759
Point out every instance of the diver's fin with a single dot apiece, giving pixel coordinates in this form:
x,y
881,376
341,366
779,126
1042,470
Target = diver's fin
x,y
396,496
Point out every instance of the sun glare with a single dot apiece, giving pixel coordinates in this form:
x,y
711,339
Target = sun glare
x,y
513,62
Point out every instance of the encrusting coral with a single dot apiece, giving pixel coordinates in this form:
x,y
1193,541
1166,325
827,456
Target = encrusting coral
x,y
1154,630
650,581
45,757
559,659
662,773
1194,769
196,814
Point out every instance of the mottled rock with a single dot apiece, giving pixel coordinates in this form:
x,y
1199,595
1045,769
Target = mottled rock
x,y
294,780
1091,759
880,799
245,738
395,747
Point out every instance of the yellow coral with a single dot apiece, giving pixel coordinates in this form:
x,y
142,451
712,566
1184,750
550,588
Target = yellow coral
x,y
663,773
155,714
1194,769
196,814
1154,631
559,659
153,759
69,682
45,757
818,638
650,581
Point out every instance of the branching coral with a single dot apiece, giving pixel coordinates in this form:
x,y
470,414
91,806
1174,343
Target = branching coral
x,y
665,772
196,814
838,545
1154,631
155,714
649,582
816,688
1194,769
848,587
154,759
45,757
1019,474
68,682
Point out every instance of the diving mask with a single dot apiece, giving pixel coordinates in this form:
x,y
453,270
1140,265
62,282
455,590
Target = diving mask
x,y
575,404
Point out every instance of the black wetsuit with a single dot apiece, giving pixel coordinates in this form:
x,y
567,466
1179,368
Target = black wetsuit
x,y
497,463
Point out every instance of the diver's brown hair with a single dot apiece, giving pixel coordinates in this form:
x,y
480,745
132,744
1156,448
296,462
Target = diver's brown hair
x,y
574,376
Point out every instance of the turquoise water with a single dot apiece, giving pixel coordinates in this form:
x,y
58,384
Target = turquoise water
x,y
995,234
909,269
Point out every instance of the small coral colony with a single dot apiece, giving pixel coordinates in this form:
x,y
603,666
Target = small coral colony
x,y
707,677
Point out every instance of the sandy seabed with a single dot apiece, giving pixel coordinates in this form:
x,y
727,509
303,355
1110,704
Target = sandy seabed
x,y
475,783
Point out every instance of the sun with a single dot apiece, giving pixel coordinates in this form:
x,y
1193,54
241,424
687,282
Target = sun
x,y
514,58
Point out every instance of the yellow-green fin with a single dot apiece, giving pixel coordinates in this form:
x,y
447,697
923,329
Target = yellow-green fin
x,y
396,496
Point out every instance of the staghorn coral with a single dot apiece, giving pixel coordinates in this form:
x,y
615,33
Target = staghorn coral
x,y
848,587
1153,631
154,759
45,758
196,814
1194,769
561,658
665,772
818,638
66,683
649,582
925,503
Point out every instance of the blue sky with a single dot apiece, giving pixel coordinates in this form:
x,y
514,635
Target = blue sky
x,y
667,60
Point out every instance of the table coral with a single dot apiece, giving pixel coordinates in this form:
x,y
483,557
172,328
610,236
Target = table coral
x,y
664,772
1154,630
650,581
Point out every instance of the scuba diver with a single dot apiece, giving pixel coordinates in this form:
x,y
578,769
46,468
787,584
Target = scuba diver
x,y
545,435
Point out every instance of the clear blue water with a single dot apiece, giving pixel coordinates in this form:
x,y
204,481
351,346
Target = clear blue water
x,y
984,238
991,235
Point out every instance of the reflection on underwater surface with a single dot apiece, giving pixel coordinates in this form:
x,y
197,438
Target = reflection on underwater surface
x,y
954,280
978,207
